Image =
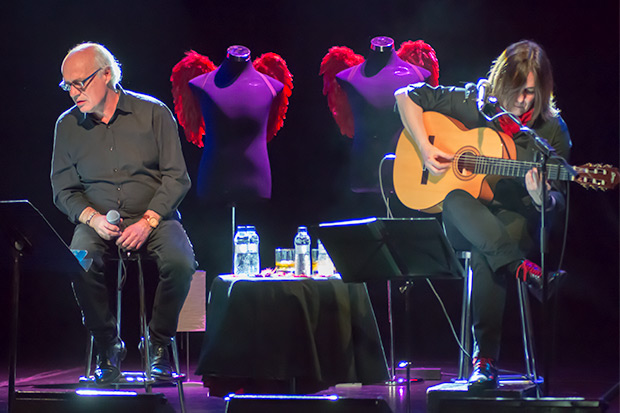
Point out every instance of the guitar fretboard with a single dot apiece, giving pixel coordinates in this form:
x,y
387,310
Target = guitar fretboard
x,y
508,167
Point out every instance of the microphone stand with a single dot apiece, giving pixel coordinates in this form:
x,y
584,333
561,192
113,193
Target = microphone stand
x,y
490,108
545,151
547,321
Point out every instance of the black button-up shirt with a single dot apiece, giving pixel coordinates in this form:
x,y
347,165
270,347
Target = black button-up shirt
x,y
132,164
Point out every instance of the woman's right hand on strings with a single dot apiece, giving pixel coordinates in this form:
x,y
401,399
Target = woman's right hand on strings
x,y
435,160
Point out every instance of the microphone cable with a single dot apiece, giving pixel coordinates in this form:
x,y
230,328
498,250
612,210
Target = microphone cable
x,y
386,200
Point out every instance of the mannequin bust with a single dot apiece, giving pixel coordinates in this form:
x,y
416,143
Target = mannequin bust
x,y
235,101
370,88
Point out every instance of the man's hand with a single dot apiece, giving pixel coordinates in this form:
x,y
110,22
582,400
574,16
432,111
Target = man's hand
x,y
533,183
105,230
134,236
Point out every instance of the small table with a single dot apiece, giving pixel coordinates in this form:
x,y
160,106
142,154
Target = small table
x,y
300,330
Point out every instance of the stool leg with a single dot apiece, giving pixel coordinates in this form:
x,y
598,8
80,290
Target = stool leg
x,y
526,327
187,352
144,330
119,294
177,367
89,355
466,333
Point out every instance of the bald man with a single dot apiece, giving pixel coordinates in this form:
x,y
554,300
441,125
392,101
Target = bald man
x,y
120,150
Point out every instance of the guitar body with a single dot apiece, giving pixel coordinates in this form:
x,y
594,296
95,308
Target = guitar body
x,y
418,189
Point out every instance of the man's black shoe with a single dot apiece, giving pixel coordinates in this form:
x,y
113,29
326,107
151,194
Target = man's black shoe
x,y
160,362
484,376
108,360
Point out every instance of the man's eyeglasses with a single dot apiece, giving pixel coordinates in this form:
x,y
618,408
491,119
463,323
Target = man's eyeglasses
x,y
80,85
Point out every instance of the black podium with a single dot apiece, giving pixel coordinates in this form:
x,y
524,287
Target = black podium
x,y
33,246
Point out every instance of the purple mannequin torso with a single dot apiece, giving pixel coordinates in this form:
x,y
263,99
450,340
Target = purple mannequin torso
x,y
236,101
370,88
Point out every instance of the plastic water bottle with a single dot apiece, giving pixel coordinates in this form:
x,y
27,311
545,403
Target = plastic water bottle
x,y
302,252
324,265
240,266
253,257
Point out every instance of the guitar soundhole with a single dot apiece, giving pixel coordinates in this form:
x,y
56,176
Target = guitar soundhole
x,y
464,164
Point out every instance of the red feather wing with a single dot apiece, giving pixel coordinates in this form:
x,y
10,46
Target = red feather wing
x,y
335,61
273,65
421,54
186,105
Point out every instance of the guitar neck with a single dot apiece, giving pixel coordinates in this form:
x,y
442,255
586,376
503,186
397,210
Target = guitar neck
x,y
509,167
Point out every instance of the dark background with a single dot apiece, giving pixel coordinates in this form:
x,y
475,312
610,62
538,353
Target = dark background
x,y
309,157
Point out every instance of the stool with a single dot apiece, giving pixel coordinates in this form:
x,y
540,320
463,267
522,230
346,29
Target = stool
x,y
466,325
130,378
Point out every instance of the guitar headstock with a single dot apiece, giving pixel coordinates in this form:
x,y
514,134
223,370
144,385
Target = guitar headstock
x,y
597,176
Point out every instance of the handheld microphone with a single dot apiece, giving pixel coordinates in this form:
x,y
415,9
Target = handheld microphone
x,y
113,217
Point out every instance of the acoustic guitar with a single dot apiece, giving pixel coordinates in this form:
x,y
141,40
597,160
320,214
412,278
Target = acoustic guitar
x,y
481,157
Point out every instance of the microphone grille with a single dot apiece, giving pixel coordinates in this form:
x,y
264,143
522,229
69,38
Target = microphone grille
x,y
113,217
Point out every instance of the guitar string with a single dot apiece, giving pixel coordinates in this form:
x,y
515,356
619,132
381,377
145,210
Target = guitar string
x,y
478,164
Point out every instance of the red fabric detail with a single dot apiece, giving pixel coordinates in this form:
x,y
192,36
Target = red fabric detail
x,y
510,127
186,105
528,269
272,65
337,59
481,362
421,54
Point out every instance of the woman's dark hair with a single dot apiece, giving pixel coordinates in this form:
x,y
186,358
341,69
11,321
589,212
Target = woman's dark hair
x,y
509,73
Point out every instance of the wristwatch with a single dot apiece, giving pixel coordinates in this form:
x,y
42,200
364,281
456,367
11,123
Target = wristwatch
x,y
152,221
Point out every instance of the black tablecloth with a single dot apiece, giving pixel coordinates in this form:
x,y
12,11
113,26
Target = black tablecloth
x,y
309,330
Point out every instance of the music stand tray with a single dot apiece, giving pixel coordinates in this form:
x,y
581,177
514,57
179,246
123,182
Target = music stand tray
x,y
34,247
373,249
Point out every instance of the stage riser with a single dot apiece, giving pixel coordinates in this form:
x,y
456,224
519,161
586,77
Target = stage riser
x,y
516,406
300,405
37,402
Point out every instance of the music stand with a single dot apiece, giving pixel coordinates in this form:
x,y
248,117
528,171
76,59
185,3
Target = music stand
x,y
374,249
35,246
384,249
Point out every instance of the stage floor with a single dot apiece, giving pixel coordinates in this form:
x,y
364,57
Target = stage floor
x,y
567,382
